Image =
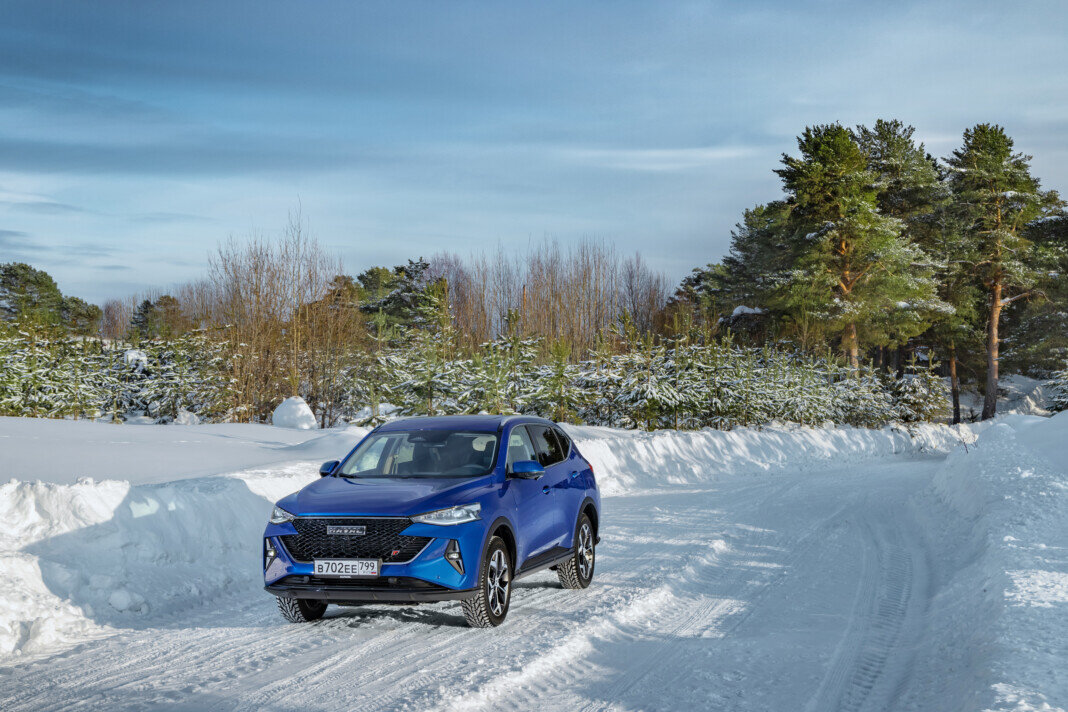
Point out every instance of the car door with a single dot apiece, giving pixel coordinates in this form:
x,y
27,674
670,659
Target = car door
x,y
551,457
535,510
571,491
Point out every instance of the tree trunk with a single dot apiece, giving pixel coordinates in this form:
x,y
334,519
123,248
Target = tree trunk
x,y
990,400
954,383
850,347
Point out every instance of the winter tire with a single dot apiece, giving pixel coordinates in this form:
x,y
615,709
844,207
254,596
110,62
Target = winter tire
x,y
577,571
301,610
489,606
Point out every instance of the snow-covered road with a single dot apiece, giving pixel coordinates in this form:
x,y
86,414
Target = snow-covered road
x,y
783,569
774,593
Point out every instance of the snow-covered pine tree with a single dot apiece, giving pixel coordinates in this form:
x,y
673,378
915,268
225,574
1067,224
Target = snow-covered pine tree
x,y
920,395
647,391
1058,390
558,394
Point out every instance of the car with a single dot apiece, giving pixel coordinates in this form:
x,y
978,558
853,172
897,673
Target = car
x,y
436,509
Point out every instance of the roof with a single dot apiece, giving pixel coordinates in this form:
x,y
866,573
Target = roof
x,y
473,423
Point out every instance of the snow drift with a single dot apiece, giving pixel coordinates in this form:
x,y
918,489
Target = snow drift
x,y
1005,600
626,460
295,413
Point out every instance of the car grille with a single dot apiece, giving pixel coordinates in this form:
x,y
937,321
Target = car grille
x,y
382,540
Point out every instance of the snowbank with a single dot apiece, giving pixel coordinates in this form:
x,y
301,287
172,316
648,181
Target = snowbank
x,y
295,413
626,460
63,451
80,555
1005,600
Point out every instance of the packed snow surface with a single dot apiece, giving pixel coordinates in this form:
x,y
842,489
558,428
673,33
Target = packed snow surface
x,y
782,569
295,413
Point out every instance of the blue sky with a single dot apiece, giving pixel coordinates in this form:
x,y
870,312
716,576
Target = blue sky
x,y
134,136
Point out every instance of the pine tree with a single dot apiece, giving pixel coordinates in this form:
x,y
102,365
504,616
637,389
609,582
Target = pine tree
x,y
995,197
29,294
854,265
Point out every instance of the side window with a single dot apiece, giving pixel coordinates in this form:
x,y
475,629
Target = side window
x,y
546,445
519,446
565,442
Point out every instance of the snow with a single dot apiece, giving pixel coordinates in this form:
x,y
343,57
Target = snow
x,y
136,359
64,451
742,310
625,460
1016,394
293,412
779,569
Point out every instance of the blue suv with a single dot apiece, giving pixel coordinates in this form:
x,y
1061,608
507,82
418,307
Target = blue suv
x,y
436,509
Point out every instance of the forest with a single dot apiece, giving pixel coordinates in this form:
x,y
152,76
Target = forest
x,y
880,283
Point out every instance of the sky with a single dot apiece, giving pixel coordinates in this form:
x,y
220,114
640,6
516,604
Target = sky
x,y
137,136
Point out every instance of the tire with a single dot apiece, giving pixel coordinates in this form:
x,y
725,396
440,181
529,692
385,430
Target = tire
x,y
301,610
489,606
577,571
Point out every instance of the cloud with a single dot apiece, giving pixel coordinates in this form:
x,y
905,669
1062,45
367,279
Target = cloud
x,y
220,153
37,204
15,240
655,159
167,218
18,241
45,207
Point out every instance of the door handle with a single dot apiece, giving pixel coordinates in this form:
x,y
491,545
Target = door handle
x,y
574,474
545,489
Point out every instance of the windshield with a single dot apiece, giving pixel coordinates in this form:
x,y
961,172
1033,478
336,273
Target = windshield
x,y
423,453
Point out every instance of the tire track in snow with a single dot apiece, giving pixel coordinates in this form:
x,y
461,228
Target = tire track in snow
x,y
871,663
679,615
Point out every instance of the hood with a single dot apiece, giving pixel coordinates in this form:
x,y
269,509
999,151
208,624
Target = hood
x,y
385,496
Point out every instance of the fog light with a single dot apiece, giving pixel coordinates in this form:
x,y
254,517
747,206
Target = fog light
x,y
269,554
452,555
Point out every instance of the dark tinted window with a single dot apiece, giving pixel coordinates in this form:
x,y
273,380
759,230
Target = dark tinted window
x,y
546,445
565,442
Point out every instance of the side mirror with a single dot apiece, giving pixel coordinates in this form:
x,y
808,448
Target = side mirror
x,y
327,468
527,470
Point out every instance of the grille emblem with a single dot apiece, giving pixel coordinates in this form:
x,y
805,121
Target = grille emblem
x,y
338,530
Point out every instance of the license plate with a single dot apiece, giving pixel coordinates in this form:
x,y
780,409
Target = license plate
x,y
347,568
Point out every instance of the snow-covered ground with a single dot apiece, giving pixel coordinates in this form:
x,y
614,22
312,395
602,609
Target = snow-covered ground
x,y
791,569
1016,395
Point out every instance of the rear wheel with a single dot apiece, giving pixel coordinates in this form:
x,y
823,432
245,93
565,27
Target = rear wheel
x,y
489,606
577,571
301,610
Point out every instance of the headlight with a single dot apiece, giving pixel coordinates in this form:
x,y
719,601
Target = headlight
x,y
450,516
281,516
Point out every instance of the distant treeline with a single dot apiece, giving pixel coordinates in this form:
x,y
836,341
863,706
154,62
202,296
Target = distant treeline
x,y
877,253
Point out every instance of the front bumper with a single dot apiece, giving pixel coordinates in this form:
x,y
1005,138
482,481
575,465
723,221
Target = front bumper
x,y
388,589
428,576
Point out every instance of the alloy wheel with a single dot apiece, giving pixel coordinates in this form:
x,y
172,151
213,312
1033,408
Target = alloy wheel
x,y
585,551
498,582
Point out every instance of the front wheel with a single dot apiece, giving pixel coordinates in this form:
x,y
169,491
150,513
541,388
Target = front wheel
x,y
301,610
577,571
489,606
